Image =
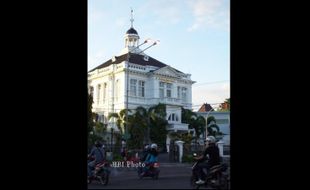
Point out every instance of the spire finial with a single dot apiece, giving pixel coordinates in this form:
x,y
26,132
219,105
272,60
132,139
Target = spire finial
x,y
131,20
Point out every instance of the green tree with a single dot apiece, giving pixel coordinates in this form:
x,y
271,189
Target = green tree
x,y
153,118
211,119
194,121
92,137
92,125
144,126
174,136
225,106
100,128
158,132
213,128
200,124
136,130
90,121
120,119
187,138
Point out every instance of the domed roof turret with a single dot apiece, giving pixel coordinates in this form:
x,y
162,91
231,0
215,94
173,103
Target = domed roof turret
x,y
132,31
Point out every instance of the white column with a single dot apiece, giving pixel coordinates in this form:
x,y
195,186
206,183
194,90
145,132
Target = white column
x,y
220,144
189,96
180,145
168,142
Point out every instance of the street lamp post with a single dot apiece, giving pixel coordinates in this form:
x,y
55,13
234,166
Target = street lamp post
x,y
207,122
127,78
111,139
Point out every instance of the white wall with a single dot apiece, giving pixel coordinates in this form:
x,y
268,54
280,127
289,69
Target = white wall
x,y
225,128
116,72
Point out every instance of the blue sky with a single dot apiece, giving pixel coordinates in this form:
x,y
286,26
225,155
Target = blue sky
x,y
194,38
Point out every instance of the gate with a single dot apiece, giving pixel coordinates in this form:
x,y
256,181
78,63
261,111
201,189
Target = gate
x,y
173,152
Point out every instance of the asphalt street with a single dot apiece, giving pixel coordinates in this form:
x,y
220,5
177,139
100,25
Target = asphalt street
x,y
172,176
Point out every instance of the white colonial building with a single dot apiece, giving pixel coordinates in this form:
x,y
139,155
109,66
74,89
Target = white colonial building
x,y
148,80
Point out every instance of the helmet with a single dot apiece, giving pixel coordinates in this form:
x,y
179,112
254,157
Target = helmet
x,y
211,139
97,143
154,146
147,147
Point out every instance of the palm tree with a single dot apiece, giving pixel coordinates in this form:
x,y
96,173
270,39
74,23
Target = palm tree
x,y
200,124
93,127
212,127
120,119
211,119
194,121
225,106
150,117
137,128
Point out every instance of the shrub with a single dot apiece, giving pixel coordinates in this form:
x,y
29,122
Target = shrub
x,y
117,157
187,158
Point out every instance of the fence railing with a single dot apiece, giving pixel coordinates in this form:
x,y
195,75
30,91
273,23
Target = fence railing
x,y
192,148
196,148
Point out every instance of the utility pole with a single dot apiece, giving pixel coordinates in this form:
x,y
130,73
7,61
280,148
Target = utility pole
x,y
127,78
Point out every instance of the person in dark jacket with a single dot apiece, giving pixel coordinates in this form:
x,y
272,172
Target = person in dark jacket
x,y
151,157
146,150
210,158
98,155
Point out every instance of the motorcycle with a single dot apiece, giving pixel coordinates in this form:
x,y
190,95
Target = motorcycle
x,y
101,173
152,171
215,179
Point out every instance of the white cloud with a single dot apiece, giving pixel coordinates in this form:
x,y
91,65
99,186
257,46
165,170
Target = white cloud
x,y
209,13
165,10
214,93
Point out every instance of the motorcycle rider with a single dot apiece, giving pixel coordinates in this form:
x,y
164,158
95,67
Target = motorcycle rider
x,y
98,154
103,150
150,158
146,151
211,155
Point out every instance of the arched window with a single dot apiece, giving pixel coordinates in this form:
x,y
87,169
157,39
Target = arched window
x,y
173,117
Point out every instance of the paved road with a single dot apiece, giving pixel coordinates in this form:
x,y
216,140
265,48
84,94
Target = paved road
x,y
172,176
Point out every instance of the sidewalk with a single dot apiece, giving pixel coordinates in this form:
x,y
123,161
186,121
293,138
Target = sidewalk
x,y
163,159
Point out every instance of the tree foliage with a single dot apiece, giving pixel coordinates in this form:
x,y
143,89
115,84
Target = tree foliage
x,y
213,128
225,106
153,121
144,125
95,129
136,131
90,115
211,119
120,119
196,122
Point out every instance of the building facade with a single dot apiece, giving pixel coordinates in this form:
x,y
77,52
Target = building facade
x,y
133,79
222,120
